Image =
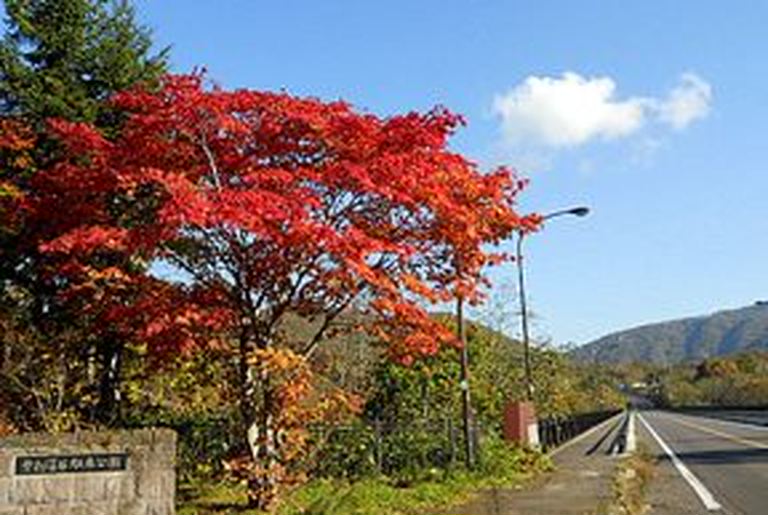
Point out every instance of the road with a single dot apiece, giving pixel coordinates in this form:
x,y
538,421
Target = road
x,y
749,416
706,465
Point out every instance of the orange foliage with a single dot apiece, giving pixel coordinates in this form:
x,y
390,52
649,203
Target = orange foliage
x,y
295,405
17,140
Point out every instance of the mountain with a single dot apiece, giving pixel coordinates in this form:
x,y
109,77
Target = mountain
x,y
686,339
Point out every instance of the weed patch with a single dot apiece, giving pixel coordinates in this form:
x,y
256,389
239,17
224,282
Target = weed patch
x,y
630,483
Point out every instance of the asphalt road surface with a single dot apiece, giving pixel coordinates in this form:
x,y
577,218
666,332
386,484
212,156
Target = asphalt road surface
x,y
706,465
753,416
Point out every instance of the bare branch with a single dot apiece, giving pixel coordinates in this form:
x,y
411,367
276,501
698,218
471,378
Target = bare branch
x,y
211,162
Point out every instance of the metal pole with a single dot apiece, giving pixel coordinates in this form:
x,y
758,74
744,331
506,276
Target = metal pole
x,y
575,211
524,317
469,448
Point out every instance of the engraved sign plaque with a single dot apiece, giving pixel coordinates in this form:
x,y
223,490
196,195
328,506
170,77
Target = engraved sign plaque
x,y
70,463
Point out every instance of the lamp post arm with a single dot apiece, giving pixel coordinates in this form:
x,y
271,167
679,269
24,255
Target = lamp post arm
x,y
577,211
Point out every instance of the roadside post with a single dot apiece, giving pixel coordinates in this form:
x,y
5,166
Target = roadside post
x,y
520,424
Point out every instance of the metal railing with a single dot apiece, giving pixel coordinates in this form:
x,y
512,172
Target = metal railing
x,y
555,431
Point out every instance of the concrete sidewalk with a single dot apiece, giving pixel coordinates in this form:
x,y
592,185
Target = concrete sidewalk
x,y
579,485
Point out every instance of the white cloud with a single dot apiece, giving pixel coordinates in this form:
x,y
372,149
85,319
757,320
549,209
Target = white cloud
x,y
566,111
572,110
688,102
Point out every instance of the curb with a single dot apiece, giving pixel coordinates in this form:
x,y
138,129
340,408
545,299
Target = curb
x,y
625,442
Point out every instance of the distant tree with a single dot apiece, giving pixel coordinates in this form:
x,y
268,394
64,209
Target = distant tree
x,y
716,368
735,380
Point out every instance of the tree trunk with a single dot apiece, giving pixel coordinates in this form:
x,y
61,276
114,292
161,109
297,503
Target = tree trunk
x,y
263,484
108,407
256,409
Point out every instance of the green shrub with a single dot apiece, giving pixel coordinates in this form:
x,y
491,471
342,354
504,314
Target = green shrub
x,y
346,452
410,455
500,462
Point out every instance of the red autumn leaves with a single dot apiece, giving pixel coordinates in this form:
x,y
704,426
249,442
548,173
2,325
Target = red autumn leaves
x,y
261,204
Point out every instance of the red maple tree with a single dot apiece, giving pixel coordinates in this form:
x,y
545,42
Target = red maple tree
x,y
264,205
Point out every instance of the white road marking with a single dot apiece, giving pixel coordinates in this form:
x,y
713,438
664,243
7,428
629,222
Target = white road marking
x,y
582,435
631,443
704,494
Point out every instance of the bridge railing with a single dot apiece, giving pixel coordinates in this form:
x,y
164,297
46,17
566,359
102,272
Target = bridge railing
x,y
555,431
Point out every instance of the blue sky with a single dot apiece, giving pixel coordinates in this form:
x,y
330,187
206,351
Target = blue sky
x,y
660,126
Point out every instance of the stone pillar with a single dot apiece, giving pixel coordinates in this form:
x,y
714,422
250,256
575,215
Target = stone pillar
x,y
520,424
89,473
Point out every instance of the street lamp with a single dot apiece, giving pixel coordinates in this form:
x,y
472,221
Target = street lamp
x,y
575,211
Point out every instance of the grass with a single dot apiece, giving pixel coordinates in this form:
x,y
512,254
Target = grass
x,y
333,497
630,484
201,497
376,496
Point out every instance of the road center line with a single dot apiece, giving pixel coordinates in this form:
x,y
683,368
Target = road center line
x,y
698,487
737,439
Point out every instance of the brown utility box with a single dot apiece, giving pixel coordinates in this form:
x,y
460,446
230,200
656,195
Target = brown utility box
x,y
520,424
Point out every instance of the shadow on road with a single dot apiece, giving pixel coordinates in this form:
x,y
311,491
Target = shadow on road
x,y
721,457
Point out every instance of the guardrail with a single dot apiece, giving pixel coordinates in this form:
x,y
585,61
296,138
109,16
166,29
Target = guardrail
x,y
555,431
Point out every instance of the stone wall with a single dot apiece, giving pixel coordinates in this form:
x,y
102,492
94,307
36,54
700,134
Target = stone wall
x,y
88,473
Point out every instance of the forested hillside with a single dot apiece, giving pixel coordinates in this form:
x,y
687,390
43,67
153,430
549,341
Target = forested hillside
x,y
738,380
687,339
